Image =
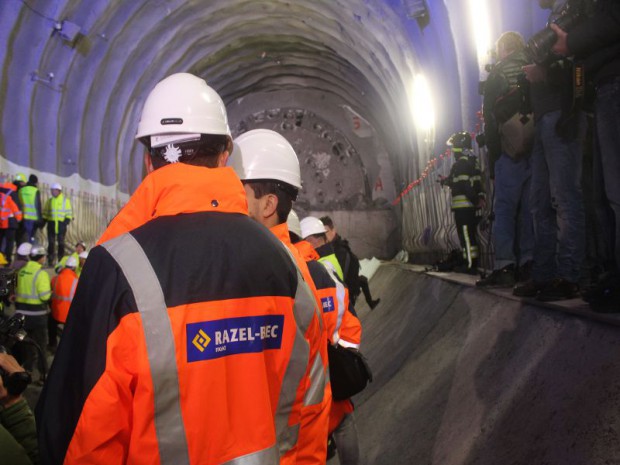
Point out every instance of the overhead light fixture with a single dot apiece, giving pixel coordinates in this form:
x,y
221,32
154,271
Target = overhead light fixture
x,y
422,106
480,24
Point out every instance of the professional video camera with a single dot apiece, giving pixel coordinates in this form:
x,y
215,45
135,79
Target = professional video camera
x,y
11,332
540,44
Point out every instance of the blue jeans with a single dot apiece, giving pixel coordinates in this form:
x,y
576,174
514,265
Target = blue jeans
x,y
557,203
607,158
513,232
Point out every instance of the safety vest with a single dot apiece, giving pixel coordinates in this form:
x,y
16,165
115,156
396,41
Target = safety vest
x,y
58,209
8,209
208,373
465,181
28,195
33,290
63,290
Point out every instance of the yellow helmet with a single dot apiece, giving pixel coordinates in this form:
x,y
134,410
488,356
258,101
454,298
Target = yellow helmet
x,y
3,261
20,177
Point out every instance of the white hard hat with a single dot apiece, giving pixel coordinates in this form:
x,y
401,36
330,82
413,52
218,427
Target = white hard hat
x,y
293,223
71,262
56,186
84,254
37,250
24,249
311,225
265,154
179,105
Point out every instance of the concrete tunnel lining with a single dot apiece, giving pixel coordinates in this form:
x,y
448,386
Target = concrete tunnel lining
x,y
464,376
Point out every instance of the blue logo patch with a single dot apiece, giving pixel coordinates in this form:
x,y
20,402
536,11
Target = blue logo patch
x,y
328,304
214,339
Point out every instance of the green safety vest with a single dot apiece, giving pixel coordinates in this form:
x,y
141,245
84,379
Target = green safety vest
x,y
333,262
58,209
33,287
27,196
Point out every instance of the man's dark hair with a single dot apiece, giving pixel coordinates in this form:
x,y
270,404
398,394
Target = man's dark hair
x,y
319,236
33,179
285,193
327,221
202,152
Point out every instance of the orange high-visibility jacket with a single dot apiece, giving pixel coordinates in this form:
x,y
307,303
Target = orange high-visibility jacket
x,y
63,290
343,326
312,444
8,209
185,339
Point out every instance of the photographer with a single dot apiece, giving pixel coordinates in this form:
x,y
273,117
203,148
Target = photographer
x,y
509,159
596,41
556,196
18,436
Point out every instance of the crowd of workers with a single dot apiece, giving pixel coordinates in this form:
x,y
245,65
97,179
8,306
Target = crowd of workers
x,y
221,360
537,114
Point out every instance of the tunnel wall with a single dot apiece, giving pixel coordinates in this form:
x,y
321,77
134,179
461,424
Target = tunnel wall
x,y
465,377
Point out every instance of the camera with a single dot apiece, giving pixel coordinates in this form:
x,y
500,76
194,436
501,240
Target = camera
x,y
11,332
539,45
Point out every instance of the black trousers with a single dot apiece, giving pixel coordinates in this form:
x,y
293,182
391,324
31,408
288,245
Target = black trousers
x,y
7,239
52,238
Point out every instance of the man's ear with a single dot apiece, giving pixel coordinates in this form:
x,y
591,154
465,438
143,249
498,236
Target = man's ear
x,y
148,163
270,206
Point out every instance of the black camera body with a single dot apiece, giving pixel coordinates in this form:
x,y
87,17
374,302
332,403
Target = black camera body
x,y
11,332
539,45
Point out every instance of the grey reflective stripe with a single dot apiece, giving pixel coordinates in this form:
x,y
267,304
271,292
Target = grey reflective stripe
x,y
160,346
267,456
62,298
300,356
340,294
33,293
33,312
314,394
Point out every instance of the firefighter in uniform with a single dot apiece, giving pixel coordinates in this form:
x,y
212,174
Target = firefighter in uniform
x,y
58,214
187,339
343,328
269,169
468,197
32,296
63,290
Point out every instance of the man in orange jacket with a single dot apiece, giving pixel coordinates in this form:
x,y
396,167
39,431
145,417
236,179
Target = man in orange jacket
x,y
269,169
10,217
343,328
63,290
187,338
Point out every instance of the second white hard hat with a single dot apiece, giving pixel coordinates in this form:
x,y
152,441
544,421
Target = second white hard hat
x,y
311,225
71,262
263,154
56,186
37,250
183,104
293,223
24,249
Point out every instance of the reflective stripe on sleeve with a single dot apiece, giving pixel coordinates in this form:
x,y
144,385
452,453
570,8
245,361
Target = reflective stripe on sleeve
x,y
267,456
160,345
314,394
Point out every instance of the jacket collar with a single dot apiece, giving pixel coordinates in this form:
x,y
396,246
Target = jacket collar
x,y
179,188
307,251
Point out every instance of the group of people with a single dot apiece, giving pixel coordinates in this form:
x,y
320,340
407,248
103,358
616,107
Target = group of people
x,y
201,328
22,214
536,115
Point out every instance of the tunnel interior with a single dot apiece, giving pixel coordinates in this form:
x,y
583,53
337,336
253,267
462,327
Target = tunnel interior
x,y
335,77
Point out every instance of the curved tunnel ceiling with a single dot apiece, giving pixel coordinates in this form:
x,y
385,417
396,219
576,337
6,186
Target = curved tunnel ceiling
x,y
71,107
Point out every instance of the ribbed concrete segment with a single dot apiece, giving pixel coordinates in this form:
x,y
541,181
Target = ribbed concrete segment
x,y
463,376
